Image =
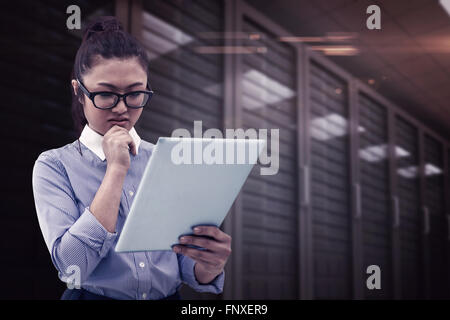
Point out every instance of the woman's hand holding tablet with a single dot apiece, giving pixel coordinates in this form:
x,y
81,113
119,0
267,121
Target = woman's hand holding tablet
x,y
212,258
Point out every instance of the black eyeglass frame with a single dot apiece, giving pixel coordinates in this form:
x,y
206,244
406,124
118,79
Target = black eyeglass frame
x,y
91,95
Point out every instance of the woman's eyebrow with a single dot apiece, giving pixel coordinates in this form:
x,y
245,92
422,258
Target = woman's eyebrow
x,y
114,87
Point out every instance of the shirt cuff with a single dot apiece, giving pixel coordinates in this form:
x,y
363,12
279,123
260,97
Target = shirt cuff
x,y
91,232
215,286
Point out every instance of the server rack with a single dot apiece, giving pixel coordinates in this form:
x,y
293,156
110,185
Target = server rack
x,y
375,211
407,209
434,217
188,84
266,216
330,183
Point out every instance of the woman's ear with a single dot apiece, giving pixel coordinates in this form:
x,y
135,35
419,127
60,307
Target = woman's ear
x,y
75,88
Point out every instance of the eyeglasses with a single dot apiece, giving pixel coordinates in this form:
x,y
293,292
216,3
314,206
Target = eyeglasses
x,y
108,100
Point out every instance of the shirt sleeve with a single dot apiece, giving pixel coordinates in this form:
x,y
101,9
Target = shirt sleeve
x,y
73,239
186,265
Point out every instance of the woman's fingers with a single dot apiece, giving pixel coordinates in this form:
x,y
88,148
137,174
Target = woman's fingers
x,y
213,260
198,241
132,147
207,243
117,145
209,237
213,232
122,136
194,253
216,242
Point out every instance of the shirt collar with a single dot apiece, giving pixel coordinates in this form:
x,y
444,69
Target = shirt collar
x,y
93,141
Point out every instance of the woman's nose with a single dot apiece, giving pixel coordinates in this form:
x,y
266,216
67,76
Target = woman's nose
x,y
120,106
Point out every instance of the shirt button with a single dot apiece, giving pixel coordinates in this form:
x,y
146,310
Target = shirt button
x,y
131,193
144,295
141,264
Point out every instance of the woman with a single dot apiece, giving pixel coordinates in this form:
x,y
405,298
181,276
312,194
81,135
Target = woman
x,y
84,190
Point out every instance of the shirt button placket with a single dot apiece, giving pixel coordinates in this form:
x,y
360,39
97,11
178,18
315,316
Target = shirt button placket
x,y
143,275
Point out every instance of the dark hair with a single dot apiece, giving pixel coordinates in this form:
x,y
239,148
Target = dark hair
x,y
103,37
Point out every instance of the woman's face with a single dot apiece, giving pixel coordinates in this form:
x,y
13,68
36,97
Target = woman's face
x,y
113,75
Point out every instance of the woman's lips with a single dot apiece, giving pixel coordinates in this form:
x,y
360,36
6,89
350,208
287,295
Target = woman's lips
x,y
122,122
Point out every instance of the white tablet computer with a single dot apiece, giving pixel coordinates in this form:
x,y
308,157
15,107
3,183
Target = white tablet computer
x,y
187,182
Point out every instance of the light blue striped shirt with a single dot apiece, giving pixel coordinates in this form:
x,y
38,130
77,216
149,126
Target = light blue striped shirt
x,y
64,185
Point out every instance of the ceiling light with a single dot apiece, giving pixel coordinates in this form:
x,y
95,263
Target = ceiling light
x,y
337,50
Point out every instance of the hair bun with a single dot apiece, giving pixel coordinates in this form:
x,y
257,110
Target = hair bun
x,y
102,24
